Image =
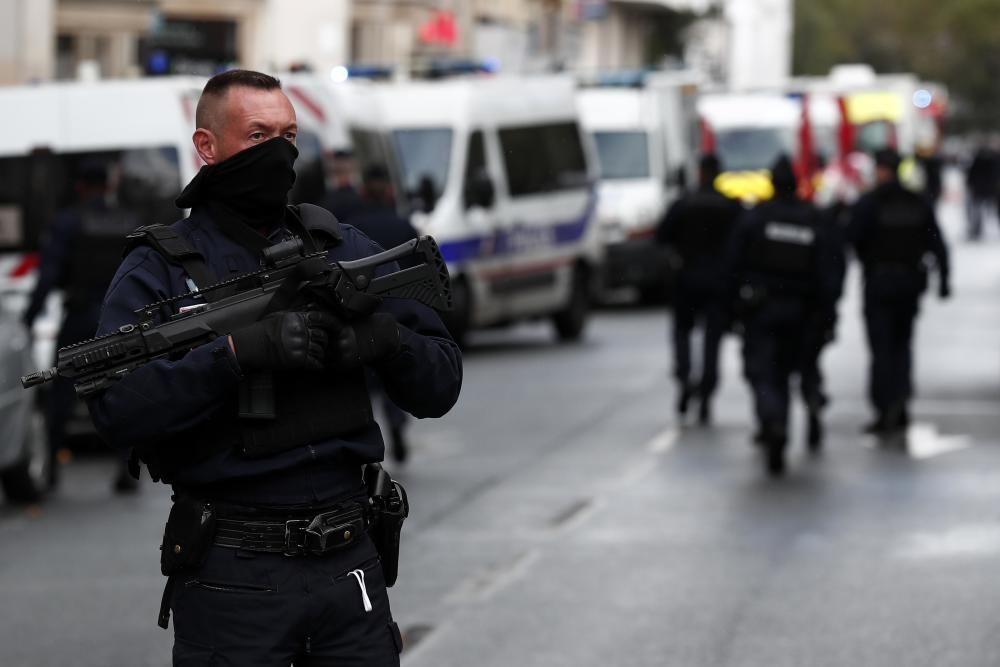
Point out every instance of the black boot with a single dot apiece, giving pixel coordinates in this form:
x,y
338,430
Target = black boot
x,y
124,483
775,439
397,445
875,427
814,434
684,398
705,412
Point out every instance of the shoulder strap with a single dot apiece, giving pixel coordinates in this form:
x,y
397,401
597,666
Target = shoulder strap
x,y
322,225
175,248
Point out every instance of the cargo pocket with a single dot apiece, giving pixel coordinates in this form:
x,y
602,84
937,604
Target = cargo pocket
x,y
368,582
190,654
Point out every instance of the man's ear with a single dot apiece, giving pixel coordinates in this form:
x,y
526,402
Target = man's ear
x,y
206,145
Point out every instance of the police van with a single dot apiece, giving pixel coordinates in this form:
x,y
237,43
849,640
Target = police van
x,y
498,170
140,131
645,130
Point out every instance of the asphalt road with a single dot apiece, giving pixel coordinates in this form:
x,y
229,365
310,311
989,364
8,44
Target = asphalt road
x,y
562,516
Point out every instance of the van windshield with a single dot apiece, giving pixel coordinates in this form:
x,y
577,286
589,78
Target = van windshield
x,y
750,148
623,154
424,156
33,188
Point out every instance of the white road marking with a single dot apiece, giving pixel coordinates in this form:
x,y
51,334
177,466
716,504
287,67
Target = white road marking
x,y
969,541
489,581
663,442
923,441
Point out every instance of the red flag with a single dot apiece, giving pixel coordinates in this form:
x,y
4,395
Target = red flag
x,y
440,28
807,153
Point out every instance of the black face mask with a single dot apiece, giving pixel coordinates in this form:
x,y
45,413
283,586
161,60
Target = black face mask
x,y
253,184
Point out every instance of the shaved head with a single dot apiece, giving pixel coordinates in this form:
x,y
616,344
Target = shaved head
x,y
239,109
210,113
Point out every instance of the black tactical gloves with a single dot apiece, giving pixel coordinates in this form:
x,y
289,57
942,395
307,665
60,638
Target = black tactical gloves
x,y
285,341
365,342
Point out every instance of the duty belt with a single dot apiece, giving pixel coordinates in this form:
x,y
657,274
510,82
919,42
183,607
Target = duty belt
x,y
329,530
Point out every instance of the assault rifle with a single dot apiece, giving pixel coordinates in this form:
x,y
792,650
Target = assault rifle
x,y
290,278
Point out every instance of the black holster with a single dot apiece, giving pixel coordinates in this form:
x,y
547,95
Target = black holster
x,y
390,508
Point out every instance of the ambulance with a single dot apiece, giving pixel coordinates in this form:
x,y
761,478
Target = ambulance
x,y
498,170
645,130
748,131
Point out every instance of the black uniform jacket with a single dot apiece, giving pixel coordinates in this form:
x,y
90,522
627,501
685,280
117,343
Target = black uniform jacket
x,y
164,402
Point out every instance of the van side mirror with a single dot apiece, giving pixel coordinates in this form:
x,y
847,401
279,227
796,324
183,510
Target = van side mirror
x,y
479,191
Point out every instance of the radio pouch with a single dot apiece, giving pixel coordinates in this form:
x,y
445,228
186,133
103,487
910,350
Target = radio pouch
x,y
187,535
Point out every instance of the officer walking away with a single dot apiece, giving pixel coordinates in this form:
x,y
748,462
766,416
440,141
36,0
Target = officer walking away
x,y
342,199
893,231
982,180
270,547
697,228
378,220
80,257
786,282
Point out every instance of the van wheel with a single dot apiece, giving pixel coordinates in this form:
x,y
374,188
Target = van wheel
x,y
29,480
459,318
570,321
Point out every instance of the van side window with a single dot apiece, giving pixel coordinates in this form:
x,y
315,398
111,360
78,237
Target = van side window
x,y
543,158
475,168
144,181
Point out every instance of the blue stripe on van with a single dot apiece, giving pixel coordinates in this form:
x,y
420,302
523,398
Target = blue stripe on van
x,y
510,241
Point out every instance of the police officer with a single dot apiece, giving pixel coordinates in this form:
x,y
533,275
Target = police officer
x,y
697,228
787,281
268,558
982,180
343,199
80,257
893,232
377,218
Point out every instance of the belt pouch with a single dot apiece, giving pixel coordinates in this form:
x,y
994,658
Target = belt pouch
x,y
187,535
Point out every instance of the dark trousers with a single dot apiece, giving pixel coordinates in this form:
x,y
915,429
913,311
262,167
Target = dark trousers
x,y
692,307
979,207
815,337
268,610
889,323
776,346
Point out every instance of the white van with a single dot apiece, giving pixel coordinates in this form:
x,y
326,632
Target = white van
x,y
142,129
322,131
499,172
646,138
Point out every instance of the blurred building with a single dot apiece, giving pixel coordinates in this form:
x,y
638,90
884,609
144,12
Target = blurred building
x,y
66,39
743,43
514,34
26,38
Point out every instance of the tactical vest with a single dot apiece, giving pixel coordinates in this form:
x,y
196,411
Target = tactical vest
x,y
96,252
901,235
310,407
787,249
705,227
